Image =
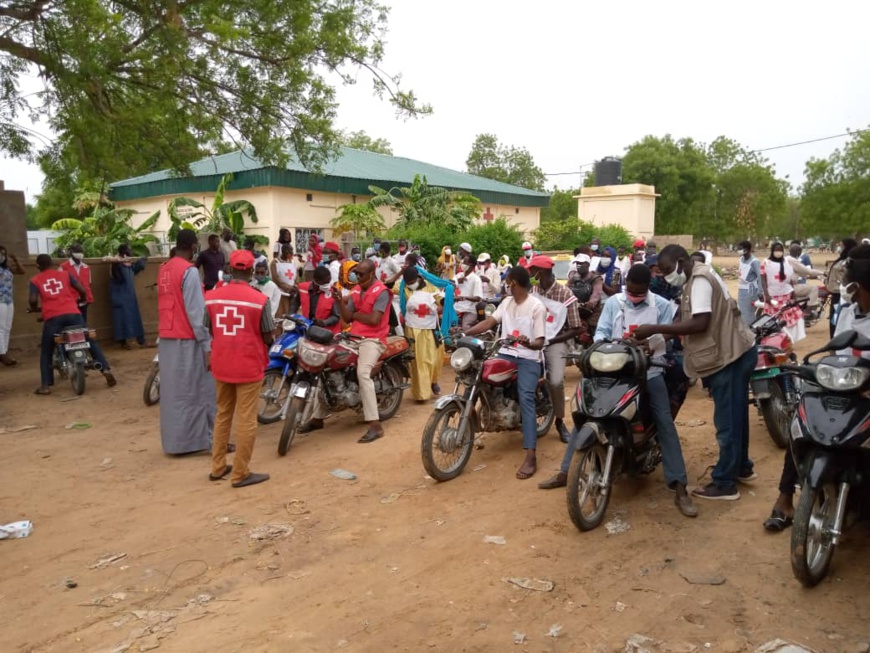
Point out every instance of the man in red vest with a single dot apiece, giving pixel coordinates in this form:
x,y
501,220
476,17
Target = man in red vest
x,y
317,303
367,310
240,319
59,310
81,272
187,394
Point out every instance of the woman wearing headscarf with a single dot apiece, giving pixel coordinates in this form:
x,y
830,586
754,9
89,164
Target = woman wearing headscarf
x,y
609,271
445,266
776,275
9,266
835,278
420,314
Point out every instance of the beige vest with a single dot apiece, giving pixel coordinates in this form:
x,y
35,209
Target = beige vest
x,y
725,340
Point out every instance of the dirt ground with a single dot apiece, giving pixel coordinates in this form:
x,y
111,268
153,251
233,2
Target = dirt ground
x,y
391,561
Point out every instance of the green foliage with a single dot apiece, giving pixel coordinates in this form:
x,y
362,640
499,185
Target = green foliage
x,y
363,220
428,205
562,206
30,217
104,229
512,165
137,85
575,233
359,140
497,237
213,220
835,198
430,237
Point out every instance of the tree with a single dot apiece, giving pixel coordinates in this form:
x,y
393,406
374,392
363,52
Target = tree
x,y
359,140
105,229
359,219
512,165
221,215
30,217
496,238
136,85
562,207
424,204
569,234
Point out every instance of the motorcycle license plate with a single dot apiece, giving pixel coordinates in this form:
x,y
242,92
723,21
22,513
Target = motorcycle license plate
x,y
275,349
78,345
765,374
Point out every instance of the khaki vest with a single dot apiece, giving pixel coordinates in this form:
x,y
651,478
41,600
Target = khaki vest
x,y
725,340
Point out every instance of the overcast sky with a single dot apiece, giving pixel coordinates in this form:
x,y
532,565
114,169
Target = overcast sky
x,y
576,81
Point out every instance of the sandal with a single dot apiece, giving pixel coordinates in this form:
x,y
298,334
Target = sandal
x,y
777,522
371,436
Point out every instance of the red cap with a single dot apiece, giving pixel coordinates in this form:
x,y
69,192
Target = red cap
x,y
332,247
541,261
639,243
241,259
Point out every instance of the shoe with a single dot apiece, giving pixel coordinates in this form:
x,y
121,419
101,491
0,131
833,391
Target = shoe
x,y
564,434
110,379
747,477
713,492
685,504
436,389
370,436
559,480
777,522
311,425
227,470
251,479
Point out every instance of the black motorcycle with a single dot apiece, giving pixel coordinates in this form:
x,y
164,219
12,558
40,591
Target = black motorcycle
x,y
830,436
615,430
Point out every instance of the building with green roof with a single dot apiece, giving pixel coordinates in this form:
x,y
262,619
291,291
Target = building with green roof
x,y
304,202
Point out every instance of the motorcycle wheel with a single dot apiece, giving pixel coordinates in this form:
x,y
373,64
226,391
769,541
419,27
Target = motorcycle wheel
x,y
811,545
445,451
291,425
586,501
273,396
389,402
546,420
777,416
151,394
77,378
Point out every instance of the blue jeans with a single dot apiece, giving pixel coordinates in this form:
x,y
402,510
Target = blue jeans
x,y
49,329
672,453
528,374
730,390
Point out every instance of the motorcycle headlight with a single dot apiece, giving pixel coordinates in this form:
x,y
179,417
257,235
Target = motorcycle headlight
x,y
841,378
488,310
460,360
311,356
601,362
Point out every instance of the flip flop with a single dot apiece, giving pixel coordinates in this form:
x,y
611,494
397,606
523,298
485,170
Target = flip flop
x,y
370,436
227,470
777,522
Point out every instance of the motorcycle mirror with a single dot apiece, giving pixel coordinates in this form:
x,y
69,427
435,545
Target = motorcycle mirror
x,y
844,340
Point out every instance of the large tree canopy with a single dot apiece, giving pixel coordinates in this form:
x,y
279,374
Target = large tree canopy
x,y
512,165
134,85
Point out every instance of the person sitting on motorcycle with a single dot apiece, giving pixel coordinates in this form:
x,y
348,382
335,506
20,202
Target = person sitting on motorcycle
x,y
562,307
469,291
367,310
316,301
621,315
522,315
854,316
802,289
776,278
59,311
587,287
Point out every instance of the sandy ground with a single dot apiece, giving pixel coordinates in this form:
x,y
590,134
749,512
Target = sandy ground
x,y
391,561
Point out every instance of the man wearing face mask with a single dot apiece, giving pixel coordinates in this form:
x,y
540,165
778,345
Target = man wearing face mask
x,y
595,248
403,252
469,291
622,313
445,266
332,258
639,251
720,348
527,255
355,254
748,282
317,303
489,276
587,288
76,268
563,324
262,281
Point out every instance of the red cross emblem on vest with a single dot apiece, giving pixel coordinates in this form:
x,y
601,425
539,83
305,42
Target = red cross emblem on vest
x,y
422,310
551,318
515,333
164,282
229,321
290,274
52,286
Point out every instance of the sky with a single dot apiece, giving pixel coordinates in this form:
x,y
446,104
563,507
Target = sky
x,y
574,82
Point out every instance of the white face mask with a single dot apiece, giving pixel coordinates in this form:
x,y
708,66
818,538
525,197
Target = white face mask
x,y
447,252
594,248
677,278
325,287
605,262
78,256
847,295
414,286
777,255
527,253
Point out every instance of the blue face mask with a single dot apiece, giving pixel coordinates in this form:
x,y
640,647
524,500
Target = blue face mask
x,y
353,278
356,257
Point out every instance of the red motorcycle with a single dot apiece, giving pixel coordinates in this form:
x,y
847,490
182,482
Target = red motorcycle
x,y
327,364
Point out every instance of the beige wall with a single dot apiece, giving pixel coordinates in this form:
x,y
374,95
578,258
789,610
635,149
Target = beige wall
x,y
279,207
631,206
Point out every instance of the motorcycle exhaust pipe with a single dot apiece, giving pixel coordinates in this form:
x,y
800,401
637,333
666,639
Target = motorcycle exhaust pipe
x,y
98,366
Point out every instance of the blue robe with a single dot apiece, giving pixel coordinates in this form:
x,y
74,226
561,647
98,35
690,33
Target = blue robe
x,y
126,319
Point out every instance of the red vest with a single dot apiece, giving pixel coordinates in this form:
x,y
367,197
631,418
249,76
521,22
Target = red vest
x,y
54,289
366,306
172,316
83,277
238,353
324,306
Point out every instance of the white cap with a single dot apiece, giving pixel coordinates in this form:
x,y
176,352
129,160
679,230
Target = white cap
x,y
527,245
865,241
466,247
581,258
483,258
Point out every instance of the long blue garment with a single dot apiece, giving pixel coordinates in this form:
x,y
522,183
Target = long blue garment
x,y
448,315
126,319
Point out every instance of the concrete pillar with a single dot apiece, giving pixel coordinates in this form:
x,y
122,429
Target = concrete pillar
x,y
13,225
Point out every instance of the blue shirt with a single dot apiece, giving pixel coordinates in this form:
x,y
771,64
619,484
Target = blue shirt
x,y
613,306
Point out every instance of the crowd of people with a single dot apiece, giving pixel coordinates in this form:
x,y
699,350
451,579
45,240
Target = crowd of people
x,y
217,310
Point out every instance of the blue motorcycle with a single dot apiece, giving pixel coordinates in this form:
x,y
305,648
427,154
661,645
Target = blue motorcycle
x,y
275,391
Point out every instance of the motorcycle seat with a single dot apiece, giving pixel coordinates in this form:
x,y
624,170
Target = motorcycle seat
x,y
319,335
395,345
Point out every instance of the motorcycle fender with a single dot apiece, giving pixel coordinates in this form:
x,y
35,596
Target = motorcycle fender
x,y
761,388
301,389
589,434
445,400
820,469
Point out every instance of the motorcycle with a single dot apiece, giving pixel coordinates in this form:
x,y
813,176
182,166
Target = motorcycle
x,y
151,393
72,355
830,437
489,402
275,392
772,392
327,365
615,430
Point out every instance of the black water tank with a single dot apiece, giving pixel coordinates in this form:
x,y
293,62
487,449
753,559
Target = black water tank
x,y
608,171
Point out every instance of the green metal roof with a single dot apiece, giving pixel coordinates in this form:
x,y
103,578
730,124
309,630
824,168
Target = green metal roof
x,y
351,173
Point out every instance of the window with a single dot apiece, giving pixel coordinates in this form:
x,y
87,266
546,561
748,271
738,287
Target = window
x,y
300,238
309,197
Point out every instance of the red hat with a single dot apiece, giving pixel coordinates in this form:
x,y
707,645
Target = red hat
x,y
332,247
639,243
541,261
241,259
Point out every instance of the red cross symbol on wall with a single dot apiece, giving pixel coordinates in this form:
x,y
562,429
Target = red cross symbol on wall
x,y
422,310
488,216
52,286
229,321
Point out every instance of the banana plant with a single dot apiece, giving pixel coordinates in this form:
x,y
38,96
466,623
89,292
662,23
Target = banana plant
x,y
105,230
424,204
214,219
